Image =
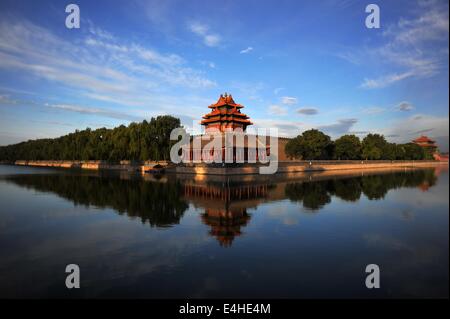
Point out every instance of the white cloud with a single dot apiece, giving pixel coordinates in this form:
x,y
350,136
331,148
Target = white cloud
x,y
404,130
277,90
202,30
285,128
277,110
155,57
288,100
431,25
308,110
158,13
373,110
101,68
100,33
6,100
405,106
413,48
385,81
342,126
212,65
199,29
247,50
212,40
250,90
94,111
100,65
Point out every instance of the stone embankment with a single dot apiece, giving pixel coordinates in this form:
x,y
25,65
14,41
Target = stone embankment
x,y
95,165
304,166
242,169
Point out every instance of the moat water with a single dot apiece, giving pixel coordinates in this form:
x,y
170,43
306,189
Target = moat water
x,y
305,236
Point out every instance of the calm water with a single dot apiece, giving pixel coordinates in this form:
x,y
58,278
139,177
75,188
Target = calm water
x,y
302,236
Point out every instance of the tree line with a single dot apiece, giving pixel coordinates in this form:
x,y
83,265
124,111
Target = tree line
x,y
315,145
148,140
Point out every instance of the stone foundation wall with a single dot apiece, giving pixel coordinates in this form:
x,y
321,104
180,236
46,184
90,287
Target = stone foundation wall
x,y
248,169
95,165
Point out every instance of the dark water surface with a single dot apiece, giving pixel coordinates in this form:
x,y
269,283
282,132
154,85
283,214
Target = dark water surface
x,y
279,236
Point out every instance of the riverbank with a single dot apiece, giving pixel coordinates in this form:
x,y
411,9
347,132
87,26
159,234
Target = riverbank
x,y
243,169
95,165
305,166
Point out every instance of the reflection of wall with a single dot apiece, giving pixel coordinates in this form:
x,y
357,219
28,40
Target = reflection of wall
x,y
440,169
224,192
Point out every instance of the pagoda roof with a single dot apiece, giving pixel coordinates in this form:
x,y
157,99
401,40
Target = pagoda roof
x,y
423,139
218,112
226,119
225,99
231,113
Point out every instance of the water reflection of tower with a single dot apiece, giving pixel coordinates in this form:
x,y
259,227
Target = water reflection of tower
x,y
438,170
430,176
225,225
225,207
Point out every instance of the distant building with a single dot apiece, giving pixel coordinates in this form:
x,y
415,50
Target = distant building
x,y
425,141
431,146
440,157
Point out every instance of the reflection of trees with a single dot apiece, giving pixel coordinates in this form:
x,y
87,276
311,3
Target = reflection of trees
x,y
163,204
376,186
426,177
159,204
348,189
316,194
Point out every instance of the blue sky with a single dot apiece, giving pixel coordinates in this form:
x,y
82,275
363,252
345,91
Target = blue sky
x,y
295,65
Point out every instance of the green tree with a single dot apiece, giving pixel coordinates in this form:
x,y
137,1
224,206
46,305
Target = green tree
x,y
373,146
347,147
428,153
144,141
413,152
312,144
399,152
390,151
293,147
